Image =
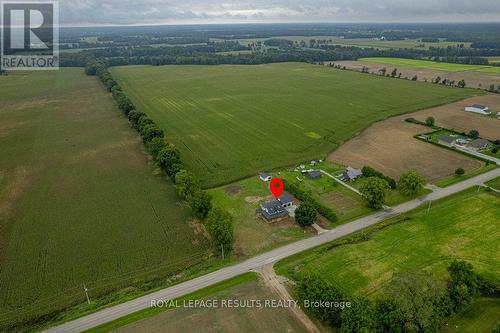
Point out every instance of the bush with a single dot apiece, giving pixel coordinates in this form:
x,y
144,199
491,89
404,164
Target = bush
x,y
155,146
430,121
151,132
411,183
306,214
460,172
371,172
134,117
201,203
374,191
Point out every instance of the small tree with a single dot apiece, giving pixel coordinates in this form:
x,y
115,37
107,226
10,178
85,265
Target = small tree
x,y
414,78
155,146
219,225
360,317
460,172
374,191
201,203
474,134
394,72
169,160
411,183
464,283
430,121
186,184
306,214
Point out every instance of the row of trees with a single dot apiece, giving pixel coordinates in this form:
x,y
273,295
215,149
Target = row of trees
x,y
413,302
218,222
375,188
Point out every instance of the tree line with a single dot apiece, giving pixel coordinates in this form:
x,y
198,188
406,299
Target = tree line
x,y
218,222
412,302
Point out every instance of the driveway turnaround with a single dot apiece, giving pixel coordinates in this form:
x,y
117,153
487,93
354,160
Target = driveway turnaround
x,y
258,262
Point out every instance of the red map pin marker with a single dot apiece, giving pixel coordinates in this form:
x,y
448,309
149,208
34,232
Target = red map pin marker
x,y
277,186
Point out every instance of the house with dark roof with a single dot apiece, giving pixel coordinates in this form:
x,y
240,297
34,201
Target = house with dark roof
x,y
272,210
286,200
479,144
446,141
314,174
351,174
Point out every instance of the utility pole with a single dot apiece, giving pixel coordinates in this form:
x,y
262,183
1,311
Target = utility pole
x,y
86,293
429,208
222,251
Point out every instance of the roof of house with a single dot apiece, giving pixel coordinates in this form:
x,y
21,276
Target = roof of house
x,y
273,209
286,199
352,173
479,143
479,106
446,139
314,174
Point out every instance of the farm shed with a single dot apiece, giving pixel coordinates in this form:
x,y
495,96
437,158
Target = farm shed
x,y
476,108
265,177
314,174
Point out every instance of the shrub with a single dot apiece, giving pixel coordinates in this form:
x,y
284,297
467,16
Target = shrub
x,y
306,214
201,203
460,172
169,160
374,191
371,172
411,183
151,132
155,146
430,121
474,134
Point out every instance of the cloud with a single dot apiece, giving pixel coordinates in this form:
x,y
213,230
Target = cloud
x,y
121,12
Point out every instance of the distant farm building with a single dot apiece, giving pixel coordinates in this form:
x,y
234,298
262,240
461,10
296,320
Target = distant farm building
x,y
476,108
272,210
265,177
462,141
479,144
314,174
351,174
446,141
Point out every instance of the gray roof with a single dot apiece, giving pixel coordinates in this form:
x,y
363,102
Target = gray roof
x,y
479,106
273,209
314,174
264,175
285,199
446,139
352,173
479,143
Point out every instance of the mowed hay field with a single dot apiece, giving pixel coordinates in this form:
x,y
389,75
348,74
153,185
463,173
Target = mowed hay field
x,y
232,121
464,226
390,147
80,202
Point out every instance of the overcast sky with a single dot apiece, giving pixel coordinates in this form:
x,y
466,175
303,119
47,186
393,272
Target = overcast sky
x,y
124,12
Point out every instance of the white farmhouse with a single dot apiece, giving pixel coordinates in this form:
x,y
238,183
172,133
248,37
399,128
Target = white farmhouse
x,y
476,108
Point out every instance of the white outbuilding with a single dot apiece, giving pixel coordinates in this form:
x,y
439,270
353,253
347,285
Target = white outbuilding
x,y
476,108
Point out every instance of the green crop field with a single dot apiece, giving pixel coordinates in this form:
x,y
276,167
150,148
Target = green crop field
x,y
232,121
426,64
80,203
464,226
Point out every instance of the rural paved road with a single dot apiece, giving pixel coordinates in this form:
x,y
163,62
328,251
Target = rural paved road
x,y
256,263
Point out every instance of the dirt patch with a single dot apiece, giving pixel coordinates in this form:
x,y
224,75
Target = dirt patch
x,y
254,200
453,116
233,189
198,228
390,147
472,79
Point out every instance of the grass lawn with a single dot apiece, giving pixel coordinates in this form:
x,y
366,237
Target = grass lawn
x,y
427,64
252,234
80,202
464,226
481,316
244,288
232,121
495,183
